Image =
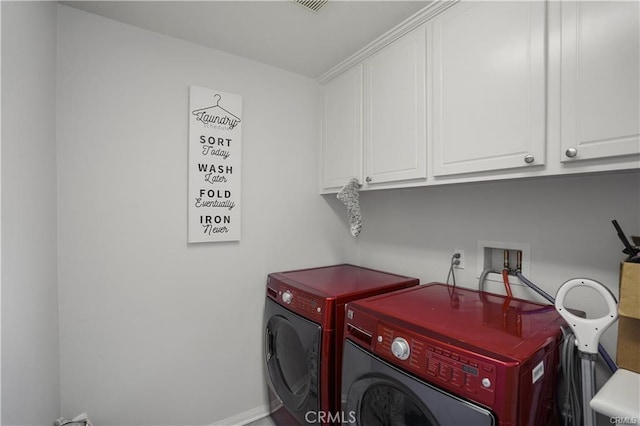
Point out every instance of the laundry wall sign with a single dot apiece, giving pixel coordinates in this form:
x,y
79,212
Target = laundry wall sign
x,y
215,146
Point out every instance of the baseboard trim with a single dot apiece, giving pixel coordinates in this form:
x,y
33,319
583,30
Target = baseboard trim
x,y
245,417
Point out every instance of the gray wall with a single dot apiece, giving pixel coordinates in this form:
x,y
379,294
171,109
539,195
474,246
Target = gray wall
x,y
156,331
566,220
153,330
30,352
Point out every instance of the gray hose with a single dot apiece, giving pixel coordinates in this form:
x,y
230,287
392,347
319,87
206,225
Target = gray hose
x,y
483,277
571,408
537,289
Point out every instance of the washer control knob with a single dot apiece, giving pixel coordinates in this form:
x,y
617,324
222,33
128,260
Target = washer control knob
x,y
486,382
400,348
287,297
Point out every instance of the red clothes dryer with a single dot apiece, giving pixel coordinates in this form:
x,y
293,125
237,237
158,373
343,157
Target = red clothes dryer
x,y
435,355
304,324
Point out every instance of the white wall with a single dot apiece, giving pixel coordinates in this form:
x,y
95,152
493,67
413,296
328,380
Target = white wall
x,y
30,354
0,217
154,331
567,222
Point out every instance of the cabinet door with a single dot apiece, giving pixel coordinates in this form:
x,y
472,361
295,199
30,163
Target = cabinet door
x,y
394,111
488,87
342,129
600,72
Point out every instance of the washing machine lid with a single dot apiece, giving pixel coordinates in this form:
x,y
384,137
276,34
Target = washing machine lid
x,y
515,328
343,282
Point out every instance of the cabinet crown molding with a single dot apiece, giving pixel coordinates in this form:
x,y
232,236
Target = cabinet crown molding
x,y
390,36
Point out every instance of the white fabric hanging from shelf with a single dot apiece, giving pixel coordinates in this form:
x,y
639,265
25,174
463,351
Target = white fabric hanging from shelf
x,y
350,196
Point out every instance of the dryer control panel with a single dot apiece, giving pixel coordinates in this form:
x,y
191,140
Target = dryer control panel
x,y
466,373
297,301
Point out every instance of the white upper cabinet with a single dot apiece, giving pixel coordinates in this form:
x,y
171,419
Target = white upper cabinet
x,y
487,61
600,93
342,129
395,145
374,118
482,90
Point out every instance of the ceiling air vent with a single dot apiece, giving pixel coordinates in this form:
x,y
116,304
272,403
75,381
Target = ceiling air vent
x,y
312,5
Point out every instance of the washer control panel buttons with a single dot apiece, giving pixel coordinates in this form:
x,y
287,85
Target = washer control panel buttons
x,y
400,348
287,297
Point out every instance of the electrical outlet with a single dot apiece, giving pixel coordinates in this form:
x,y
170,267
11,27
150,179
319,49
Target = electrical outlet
x,y
460,264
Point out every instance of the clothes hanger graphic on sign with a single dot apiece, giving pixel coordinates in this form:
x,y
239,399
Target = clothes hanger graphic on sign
x,y
217,99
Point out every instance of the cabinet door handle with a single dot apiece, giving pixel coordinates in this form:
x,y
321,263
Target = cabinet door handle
x,y
529,158
368,179
571,152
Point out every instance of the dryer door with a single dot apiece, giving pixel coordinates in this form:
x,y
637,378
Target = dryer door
x,y
292,348
375,393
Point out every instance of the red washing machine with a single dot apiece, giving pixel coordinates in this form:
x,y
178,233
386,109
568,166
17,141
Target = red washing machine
x,y
435,355
304,323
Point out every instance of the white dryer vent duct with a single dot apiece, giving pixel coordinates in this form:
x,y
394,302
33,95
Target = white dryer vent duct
x,y
312,5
